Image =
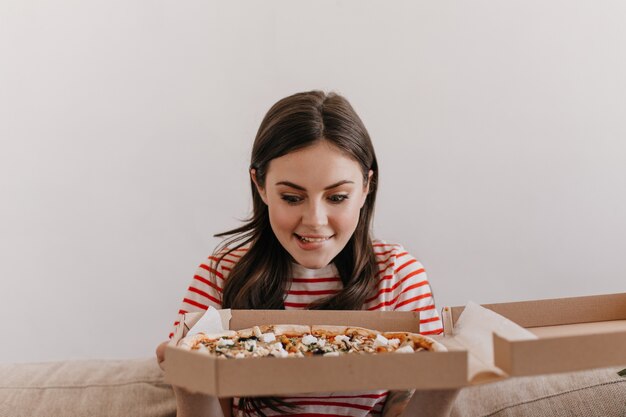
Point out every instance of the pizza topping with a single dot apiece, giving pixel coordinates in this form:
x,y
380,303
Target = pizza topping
x,y
394,343
309,339
355,342
277,350
250,345
380,341
290,340
203,349
405,349
261,351
225,342
268,337
342,343
276,346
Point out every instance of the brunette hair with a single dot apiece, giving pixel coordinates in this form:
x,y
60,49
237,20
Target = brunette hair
x,y
260,277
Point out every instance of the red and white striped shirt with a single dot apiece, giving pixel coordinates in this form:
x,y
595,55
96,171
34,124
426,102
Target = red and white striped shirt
x,y
402,286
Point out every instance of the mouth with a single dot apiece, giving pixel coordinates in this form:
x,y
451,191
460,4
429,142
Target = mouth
x,y
312,239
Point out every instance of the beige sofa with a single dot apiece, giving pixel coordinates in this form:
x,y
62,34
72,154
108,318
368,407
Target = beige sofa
x,y
136,388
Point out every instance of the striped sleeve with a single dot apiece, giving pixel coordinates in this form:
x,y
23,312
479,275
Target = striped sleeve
x,y
404,286
204,290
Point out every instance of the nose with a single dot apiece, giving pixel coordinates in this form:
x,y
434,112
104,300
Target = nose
x,y
314,215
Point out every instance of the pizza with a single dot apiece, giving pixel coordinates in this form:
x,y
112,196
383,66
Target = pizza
x,y
300,341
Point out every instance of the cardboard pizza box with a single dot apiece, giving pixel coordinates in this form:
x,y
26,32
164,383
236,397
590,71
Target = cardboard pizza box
x,y
284,376
574,334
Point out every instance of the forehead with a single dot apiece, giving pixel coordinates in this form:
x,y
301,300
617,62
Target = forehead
x,y
317,165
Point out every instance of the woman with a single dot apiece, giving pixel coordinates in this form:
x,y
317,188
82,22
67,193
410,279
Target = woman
x,y
308,244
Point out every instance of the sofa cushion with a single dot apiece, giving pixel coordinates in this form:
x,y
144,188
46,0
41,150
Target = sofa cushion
x,y
85,388
594,393
135,388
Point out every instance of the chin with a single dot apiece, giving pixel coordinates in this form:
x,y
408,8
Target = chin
x,y
312,263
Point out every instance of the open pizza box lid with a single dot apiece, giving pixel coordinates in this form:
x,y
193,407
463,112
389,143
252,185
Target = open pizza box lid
x,y
573,334
283,376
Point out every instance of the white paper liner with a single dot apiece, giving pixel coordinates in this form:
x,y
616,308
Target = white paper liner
x,y
474,331
210,322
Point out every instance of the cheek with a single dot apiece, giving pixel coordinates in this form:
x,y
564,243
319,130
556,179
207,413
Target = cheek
x,y
347,219
282,219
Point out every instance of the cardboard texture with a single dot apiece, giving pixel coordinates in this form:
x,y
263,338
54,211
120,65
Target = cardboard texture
x,y
574,333
473,331
559,311
284,376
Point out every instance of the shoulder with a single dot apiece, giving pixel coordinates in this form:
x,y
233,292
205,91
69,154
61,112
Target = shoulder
x,y
217,266
401,280
383,245
392,255
224,257
396,264
227,256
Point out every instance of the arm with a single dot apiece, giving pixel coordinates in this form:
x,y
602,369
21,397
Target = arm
x,y
396,402
412,291
415,294
201,405
227,406
204,290
189,405
433,403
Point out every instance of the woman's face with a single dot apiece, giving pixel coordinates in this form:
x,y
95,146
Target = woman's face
x,y
314,196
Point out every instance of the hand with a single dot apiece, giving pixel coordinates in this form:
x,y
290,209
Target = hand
x,y
189,404
396,403
160,353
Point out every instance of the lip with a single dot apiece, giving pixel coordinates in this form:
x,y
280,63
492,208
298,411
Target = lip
x,y
307,246
314,236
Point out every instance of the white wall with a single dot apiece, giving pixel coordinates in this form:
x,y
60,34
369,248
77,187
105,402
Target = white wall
x,y
125,129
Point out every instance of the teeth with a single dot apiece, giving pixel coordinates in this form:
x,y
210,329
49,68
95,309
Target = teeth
x,y
311,240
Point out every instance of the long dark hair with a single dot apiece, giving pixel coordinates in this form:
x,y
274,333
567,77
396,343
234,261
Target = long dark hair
x,y
260,278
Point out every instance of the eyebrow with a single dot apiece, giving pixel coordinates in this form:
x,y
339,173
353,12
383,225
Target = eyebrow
x,y
299,187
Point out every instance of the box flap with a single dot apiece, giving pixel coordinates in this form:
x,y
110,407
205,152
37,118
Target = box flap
x,y
558,311
379,320
559,353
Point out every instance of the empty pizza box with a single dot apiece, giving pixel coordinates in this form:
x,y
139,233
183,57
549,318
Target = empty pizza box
x,y
574,334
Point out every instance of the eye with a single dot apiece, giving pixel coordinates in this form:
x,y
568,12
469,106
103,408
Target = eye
x,y
338,198
291,199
